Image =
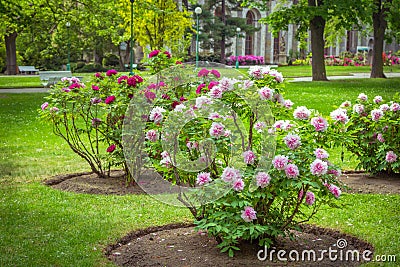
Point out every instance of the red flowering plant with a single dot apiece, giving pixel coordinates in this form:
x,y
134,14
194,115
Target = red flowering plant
x,y
158,60
89,117
374,129
233,151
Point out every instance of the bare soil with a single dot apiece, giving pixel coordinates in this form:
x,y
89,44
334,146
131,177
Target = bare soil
x,y
180,245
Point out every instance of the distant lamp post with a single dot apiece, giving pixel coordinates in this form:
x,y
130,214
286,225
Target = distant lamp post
x,y
237,39
132,58
198,11
68,24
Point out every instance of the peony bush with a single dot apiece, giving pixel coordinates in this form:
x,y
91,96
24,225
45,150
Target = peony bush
x,y
374,130
89,117
247,165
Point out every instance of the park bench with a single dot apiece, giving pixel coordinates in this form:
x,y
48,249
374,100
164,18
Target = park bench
x,y
52,77
28,70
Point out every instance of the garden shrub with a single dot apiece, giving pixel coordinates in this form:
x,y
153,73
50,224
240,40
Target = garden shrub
x,y
90,117
111,60
242,175
373,131
91,67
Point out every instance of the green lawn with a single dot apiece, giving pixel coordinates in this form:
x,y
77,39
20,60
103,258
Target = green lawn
x,y
40,226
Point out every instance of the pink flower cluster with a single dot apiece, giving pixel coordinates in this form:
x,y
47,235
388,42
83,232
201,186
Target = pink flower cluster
x,y
291,170
233,176
292,141
340,115
166,159
280,162
395,106
377,99
333,189
376,114
260,126
203,178
319,123
302,113
310,198
359,109
263,179
319,167
266,93
249,214
249,157
156,114
391,157
321,153
152,135
283,125
362,97
217,130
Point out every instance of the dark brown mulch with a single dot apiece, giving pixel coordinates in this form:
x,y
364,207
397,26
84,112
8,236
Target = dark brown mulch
x,y
181,245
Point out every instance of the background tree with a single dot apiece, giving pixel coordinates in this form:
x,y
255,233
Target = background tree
x,y
217,26
312,15
159,24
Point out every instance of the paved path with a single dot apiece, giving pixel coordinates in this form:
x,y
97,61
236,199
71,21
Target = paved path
x,y
300,79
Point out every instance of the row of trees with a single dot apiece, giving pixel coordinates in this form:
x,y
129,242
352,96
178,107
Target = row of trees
x,y
316,15
39,29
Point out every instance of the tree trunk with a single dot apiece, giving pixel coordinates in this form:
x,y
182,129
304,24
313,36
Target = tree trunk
x,y
380,24
11,54
223,39
317,27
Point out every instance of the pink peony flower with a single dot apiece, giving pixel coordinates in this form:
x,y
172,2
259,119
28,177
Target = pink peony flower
x,y
156,114
247,84
54,109
321,153
111,72
249,214
152,135
95,100
203,178
203,72
238,185
263,179
310,198
334,190
391,157
150,95
395,106
319,123
217,129
292,141
340,115
291,171
216,73
319,167
227,84
380,138
179,108
358,108
202,101
346,104
283,125
266,93
302,113
212,84
122,78
280,162
111,148
109,99
230,174
288,103
376,114
384,107
377,99
44,105
168,54
154,53
214,116
95,88
215,92
201,86
249,157
336,173
98,75
362,97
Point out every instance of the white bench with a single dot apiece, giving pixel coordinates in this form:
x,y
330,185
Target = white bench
x,y
27,70
52,77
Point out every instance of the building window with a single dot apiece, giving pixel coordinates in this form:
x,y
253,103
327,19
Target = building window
x,y
249,45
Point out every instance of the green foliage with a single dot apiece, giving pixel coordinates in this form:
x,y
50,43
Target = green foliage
x,y
158,60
